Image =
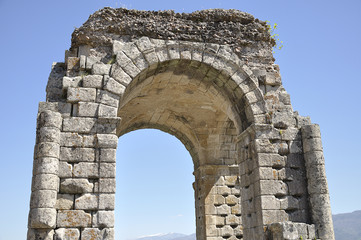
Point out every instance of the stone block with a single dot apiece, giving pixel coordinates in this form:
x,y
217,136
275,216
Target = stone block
x,y
295,147
46,165
107,111
73,219
270,160
71,82
107,98
87,109
82,62
47,149
131,69
107,155
43,199
312,144
107,170
264,146
236,209
79,125
93,81
90,61
100,69
81,94
106,201
314,158
59,107
45,182
118,74
64,201
103,219
223,210
311,131
297,187
67,234
77,154
50,119
87,201
232,200
113,86
42,218
272,187
68,139
49,134
72,63
43,234
107,141
271,216
233,220
65,170
86,170
75,186
107,185
97,234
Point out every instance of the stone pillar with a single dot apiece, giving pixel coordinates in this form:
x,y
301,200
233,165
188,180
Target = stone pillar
x,y
218,210
317,182
45,185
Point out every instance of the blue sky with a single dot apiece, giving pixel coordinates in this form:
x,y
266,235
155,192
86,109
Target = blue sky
x,y
320,67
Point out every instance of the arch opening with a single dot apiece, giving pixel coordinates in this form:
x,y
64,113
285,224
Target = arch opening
x,y
186,102
154,186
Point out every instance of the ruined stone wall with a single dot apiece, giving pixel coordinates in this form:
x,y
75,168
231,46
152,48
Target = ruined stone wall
x,y
207,78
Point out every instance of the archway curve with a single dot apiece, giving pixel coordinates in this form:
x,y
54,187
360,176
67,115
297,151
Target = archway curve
x,y
204,108
144,57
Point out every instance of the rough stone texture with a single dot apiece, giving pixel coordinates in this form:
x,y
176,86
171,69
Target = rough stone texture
x,y
67,234
207,78
73,218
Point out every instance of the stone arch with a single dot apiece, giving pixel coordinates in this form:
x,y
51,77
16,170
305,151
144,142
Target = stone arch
x,y
259,166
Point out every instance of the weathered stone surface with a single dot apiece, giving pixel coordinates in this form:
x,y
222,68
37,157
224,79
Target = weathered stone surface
x,y
46,165
47,134
42,218
86,109
44,234
81,94
103,219
86,170
43,199
107,170
93,81
45,182
49,118
107,185
64,201
100,69
97,234
77,154
106,201
65,170
107,141
67,234
71,82
75,186
73,218
87,202
107,98
47,149
113,86
79,125
107,155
